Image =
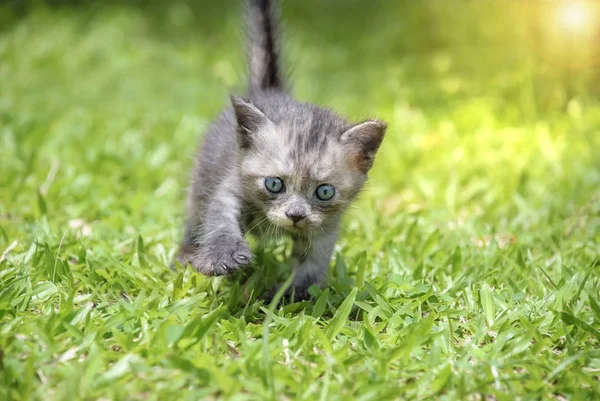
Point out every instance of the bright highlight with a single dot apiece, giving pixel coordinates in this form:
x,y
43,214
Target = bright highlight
x,y
575,16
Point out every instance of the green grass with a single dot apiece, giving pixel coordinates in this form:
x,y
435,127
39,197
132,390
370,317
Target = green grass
x,y
467,271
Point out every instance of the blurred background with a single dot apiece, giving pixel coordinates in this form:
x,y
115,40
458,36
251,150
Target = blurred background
x,y
473,253
492,107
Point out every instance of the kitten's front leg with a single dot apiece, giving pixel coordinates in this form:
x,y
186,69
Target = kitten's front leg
x,y
311,263
222,248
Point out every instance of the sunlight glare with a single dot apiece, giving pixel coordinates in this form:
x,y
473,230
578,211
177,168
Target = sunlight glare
x,y
574,16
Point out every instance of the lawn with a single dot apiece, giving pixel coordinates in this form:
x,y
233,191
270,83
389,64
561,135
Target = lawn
x,y
468,270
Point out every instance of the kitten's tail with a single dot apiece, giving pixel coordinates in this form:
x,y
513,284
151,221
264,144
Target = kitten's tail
x,y
263,47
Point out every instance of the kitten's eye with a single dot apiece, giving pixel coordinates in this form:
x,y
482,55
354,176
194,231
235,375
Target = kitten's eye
x,y
274,184
325,192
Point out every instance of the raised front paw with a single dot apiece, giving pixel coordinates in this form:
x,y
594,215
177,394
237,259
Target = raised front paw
x,y
221,255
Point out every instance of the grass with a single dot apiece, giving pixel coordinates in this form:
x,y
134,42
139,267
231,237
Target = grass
x,y
467,271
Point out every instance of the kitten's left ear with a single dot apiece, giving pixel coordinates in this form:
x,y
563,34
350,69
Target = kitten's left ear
x,y
365,138
249,119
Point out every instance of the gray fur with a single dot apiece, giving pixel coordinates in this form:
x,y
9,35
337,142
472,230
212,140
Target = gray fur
x,y
263,46
269,134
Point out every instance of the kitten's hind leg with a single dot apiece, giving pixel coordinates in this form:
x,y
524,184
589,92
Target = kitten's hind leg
x,y
185,254
193,225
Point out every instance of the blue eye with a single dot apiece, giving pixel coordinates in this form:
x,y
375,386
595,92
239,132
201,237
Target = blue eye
x,y
274,184
325,192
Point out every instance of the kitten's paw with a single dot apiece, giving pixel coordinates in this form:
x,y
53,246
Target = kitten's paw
x,y
222,255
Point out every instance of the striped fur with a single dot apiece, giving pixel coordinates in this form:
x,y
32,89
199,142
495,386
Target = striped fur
x,y
263,46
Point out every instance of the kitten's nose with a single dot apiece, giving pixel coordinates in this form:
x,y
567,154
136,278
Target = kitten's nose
x,y
295,215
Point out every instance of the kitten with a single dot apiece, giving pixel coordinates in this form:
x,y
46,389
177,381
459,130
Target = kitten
x,y
272,162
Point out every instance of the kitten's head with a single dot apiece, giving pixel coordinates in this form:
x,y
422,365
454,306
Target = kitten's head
x,y
302,165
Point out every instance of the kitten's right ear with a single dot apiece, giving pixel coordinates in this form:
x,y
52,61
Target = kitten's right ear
x,y
249,119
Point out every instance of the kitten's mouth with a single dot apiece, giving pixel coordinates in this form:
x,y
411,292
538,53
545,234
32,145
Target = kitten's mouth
x,y
297,233
295,229
287,225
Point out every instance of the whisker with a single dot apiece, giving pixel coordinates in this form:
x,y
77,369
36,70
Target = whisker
x,y
321,228
271,228
308,244
256,224
277,235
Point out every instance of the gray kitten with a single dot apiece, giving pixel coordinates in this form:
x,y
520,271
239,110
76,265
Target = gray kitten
x,y
270,162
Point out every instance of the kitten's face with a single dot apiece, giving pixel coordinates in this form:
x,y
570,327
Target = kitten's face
x,y
302,172
299,192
